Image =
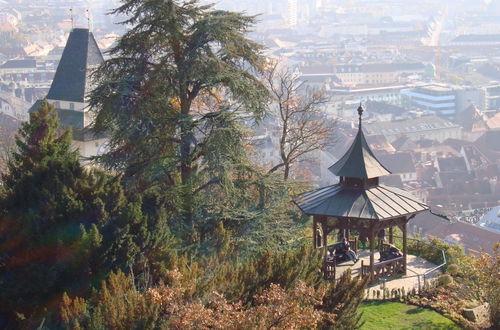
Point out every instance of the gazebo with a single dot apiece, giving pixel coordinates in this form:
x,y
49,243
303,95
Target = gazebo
x,y
358,202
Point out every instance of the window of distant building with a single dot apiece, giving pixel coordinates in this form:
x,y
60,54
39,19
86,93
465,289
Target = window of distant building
x,y
57,105
72,106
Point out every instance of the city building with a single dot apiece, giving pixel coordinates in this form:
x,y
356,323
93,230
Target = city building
x,y
438,100
377,73
492,97
491,220
428,127
472,238
476,40
401,164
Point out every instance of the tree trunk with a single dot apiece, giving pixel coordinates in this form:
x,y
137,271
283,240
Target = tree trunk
x,y
186,164
286,173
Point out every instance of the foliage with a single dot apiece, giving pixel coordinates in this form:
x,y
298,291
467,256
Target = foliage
x,y
119,305
63,227
445,301
49,203
452,269
431,251
445,280
478,279
343,298
171,95
242,279
176,95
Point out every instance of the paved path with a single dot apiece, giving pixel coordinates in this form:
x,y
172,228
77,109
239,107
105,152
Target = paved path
x,y
416,267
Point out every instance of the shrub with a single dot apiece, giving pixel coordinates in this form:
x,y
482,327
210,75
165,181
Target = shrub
x,y
445,279
452,269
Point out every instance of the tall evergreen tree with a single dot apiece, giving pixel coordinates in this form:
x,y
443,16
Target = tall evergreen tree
x,y
47,208
171,90
62,227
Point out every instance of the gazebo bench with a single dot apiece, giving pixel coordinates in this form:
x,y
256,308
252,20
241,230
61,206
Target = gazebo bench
x,y
339,256
389,252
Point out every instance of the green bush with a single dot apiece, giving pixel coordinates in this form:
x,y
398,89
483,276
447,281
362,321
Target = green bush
x,y
431,251
445,280
452,269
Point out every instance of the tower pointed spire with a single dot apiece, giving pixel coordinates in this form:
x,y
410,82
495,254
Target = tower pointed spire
x,y
80,55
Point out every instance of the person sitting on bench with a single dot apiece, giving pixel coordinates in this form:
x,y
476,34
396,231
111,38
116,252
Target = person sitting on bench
x,y
394,252
390,252
345,247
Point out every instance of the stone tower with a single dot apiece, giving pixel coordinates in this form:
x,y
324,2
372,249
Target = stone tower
x,y
69,89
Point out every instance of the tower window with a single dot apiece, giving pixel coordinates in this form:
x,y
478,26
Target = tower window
x,y
72,106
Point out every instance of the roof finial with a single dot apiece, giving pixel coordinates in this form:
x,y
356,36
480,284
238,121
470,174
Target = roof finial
x,y
89,19
72,19
360,113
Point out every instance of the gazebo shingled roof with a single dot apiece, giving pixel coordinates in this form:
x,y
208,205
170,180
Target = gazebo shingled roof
x,y
359,161
363,201
375,203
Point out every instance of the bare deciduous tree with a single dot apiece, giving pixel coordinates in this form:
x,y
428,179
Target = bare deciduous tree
x,y
302,125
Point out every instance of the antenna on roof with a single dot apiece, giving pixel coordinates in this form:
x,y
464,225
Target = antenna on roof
x,y
72,20
89,22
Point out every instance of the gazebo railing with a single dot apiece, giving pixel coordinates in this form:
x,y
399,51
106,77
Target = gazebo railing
x,y
383,269
417,251
329,268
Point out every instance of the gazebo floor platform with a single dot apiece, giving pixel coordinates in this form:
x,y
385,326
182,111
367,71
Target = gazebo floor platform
x,y
416,268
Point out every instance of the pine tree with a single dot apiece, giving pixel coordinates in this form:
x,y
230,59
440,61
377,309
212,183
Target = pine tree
x,y
343,298
63,228
172,89
41,214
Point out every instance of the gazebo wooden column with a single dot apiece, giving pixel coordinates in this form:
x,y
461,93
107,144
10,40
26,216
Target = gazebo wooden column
x,y
325,236
371,237
314,231
405,247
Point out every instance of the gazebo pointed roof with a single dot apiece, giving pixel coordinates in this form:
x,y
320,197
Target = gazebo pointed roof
x,y
359,161
354,200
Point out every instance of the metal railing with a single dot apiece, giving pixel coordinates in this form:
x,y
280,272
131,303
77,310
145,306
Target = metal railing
x,y
437,267
425,276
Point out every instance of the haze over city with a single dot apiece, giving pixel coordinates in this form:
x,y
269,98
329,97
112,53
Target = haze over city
x,y
222,129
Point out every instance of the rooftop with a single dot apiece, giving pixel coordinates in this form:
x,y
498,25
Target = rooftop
x,y
71,79
422,124
398,163
477,38
491,220
19,64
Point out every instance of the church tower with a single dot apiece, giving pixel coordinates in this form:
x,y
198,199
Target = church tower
x,y
69,89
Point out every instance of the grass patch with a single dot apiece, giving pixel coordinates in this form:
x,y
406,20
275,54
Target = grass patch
x,y
395,315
